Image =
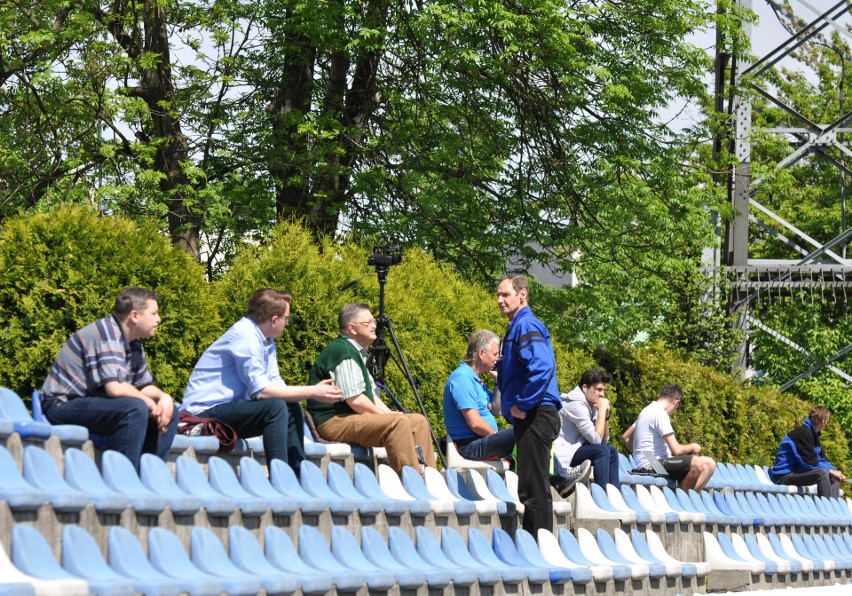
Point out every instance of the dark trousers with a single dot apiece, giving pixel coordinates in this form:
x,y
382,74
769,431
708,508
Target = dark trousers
x,y
826,485
534,436
281,423
604,460
126,419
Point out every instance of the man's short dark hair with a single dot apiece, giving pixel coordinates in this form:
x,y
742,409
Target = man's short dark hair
x,y
519,282
348,313
130,299
265,304
818,415
672,391
594,376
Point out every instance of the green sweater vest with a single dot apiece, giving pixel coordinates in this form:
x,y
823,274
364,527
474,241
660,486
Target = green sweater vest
x,y
337,351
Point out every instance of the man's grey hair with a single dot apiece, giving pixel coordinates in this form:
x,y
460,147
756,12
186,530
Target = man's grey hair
x,y
479,340
348,313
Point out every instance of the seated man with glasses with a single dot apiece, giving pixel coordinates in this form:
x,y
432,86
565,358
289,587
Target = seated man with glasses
x,y
237,381
653,433
360,416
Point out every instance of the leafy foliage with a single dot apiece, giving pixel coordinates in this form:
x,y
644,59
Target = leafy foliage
x,y
63,270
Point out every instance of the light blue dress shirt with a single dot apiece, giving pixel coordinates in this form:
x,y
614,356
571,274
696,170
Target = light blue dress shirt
x,y
236,366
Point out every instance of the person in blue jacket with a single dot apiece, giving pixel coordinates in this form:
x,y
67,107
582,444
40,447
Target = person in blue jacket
x,y
530,399
800,461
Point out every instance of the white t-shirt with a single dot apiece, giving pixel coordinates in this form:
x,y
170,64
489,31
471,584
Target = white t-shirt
x,y
652,425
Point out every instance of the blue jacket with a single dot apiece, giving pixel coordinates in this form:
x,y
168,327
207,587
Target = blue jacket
x,y
527,371
800,451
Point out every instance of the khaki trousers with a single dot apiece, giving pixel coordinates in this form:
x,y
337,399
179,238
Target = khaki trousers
x,y
398,433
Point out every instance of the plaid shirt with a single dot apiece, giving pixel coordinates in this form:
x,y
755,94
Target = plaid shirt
x,y
94,356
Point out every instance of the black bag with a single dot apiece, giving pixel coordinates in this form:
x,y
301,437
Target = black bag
x,y
197,426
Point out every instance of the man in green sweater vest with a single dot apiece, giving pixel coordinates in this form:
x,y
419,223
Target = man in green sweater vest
x,y
360,417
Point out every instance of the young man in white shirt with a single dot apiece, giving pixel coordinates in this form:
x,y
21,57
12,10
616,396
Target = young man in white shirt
x,y
653,432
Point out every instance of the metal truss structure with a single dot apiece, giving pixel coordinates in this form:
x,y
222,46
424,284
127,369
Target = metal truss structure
x,y
821,266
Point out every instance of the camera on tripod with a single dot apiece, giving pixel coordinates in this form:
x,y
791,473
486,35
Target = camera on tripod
x,y
385,255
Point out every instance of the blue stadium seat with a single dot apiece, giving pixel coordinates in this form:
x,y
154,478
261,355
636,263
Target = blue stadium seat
x,y
480,549
499,489
14,580
69,434
191,478
82,474
208,554
281,553
41,472
120,475
254,480
414,485
505,550
16,589
403,551
345,548
430,552
82,557
367,484
12,408
592,551
285,482
437,486
17,492
157,477
780,566
167,555
571,549
529,550
376,551
127,557
673,568
313,483
340,483
224,480
32,555
246,554
456,551
639,569
315,551
459,488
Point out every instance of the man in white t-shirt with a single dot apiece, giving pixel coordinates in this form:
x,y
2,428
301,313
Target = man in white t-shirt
x,y
653,432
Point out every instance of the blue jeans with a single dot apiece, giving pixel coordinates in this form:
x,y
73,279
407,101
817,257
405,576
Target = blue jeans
x,y
125,419
281,423
500,444
604,460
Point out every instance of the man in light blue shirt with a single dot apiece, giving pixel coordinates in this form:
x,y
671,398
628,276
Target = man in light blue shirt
x,y
237,381
469,408
468,403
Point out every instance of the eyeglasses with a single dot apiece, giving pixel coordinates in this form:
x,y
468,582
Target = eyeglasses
x,y
369,323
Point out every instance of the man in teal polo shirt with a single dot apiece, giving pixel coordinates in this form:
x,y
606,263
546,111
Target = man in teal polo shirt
x,y
360,416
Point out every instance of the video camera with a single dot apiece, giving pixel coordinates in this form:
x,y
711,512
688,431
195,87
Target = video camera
x,y
385,255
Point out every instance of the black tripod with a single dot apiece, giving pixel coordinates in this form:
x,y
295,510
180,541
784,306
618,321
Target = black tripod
x,y
381,352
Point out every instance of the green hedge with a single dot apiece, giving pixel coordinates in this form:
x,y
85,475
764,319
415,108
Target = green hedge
x,y
62,270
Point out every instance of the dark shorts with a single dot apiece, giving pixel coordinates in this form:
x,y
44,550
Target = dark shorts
x,y
677,467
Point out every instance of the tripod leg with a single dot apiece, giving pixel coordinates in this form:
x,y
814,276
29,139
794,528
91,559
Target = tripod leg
x,y
410,379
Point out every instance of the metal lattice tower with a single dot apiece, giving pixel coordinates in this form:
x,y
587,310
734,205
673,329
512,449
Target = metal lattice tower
x,y
820,265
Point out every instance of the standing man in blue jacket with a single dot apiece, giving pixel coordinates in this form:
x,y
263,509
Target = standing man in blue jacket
x,y
530,399
800,461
